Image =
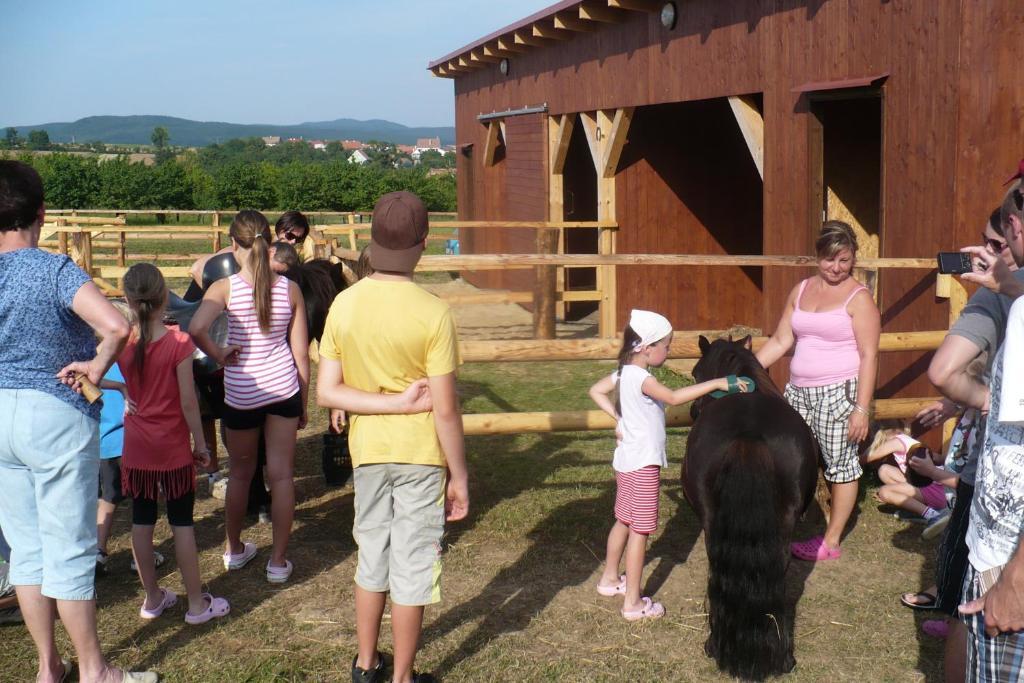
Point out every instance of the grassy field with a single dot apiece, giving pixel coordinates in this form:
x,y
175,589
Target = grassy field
x,y
518,584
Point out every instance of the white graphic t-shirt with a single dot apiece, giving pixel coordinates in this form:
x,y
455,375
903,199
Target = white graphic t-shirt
x,y
997,511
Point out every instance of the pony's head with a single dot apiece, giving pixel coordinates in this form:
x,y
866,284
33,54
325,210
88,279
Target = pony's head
x,y
727,357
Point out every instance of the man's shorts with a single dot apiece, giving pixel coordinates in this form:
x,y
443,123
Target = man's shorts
x,y
636,498
826,411
110,480
399,523
989,659
253,418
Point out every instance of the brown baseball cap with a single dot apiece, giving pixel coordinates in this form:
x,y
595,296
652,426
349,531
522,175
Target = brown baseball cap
x,y
397,233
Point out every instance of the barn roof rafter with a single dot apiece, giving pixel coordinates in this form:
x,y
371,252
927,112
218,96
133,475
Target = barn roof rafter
x,y
559,22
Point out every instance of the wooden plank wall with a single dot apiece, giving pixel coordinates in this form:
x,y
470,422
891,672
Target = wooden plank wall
x,y
952,117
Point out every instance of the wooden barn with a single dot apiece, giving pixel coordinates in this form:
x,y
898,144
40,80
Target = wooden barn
x,y
736,127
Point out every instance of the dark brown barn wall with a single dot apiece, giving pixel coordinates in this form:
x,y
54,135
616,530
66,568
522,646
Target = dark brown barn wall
x,y
952,118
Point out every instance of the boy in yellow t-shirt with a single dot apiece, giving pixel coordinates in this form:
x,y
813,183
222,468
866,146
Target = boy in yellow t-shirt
x,y
384,335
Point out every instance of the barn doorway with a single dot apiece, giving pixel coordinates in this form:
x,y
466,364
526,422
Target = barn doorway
x,y
579,201
846,175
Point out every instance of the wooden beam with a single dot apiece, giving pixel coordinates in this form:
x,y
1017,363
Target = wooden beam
x,y
637,5
559,149
501,127
593,135
491,144
526,37
549,32
508,44
601,13
751,124
570,21
616,141
483,57
492,50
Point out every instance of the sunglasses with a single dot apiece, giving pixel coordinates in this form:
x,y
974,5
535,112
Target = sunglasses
x,y
992,243
291,236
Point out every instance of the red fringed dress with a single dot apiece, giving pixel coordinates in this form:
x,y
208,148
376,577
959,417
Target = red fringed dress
x,y
157,445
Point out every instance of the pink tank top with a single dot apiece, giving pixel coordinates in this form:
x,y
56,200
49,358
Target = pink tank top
x,y
265,372
826,350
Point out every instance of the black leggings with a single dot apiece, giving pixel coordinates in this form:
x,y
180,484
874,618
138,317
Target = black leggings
x,y
179,510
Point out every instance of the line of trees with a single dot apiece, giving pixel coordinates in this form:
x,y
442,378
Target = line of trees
x,y
231,179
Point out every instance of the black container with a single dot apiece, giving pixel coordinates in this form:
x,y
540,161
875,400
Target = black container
x,y
337,461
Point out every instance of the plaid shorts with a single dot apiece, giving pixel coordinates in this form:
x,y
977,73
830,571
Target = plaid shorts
x,y
990,659
826,410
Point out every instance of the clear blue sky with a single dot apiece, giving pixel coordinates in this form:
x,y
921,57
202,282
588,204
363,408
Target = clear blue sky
x,y
252,61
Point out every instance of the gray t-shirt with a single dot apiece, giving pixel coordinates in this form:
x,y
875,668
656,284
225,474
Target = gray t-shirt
x,y
983,323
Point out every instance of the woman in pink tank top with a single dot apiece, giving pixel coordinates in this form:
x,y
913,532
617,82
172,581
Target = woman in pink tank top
x,y
834,325
266,378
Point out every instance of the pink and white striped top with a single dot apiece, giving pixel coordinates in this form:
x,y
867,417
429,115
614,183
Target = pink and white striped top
x,y
265,372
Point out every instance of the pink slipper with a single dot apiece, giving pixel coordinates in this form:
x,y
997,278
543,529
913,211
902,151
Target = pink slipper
x,y
936,628
814,550
649,610
218,607
612,591
168,600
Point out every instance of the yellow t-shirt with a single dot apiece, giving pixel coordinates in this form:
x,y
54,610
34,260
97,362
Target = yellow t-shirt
x,y
387,334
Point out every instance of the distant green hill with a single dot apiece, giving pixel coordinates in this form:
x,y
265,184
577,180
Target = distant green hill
x,y
136,130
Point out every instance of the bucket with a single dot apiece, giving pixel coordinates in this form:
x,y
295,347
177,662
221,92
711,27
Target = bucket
x,y
337,461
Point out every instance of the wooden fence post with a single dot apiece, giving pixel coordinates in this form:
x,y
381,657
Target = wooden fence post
x,y
122,249
352,233
215,224
545,282
62,235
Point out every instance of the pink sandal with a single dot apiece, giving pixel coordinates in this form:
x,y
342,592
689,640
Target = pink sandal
x,y
649,610
168,600
218,607
612,591
814,550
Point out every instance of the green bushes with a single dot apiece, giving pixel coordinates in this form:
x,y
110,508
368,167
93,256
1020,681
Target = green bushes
x,y
238,174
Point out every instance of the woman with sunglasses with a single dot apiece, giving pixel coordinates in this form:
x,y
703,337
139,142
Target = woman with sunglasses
x,y
293,227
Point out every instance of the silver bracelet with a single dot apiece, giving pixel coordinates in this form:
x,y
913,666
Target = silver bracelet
x,y
861,410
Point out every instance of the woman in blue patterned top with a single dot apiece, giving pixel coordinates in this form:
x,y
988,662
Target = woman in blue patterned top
x,y
49,438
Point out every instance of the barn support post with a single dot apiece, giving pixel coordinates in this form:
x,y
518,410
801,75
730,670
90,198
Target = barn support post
x,y
545,298
606,136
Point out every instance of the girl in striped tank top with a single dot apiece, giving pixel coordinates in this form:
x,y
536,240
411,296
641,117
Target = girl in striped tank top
x,y
266,378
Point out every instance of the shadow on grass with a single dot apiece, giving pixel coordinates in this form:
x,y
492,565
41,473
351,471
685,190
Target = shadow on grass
x,y
320,540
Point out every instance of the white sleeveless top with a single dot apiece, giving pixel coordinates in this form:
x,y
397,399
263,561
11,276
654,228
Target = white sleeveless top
x,y
642,424
265,372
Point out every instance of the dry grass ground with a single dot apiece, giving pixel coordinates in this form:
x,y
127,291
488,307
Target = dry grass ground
x,y
518,581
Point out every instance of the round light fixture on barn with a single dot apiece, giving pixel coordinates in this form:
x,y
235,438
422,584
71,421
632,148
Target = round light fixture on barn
x,y
503,66
669,15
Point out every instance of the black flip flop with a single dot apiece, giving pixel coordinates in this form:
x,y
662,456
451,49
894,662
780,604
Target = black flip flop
x,y
921,600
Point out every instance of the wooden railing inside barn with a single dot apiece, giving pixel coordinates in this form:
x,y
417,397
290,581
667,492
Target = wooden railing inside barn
x,y
77,240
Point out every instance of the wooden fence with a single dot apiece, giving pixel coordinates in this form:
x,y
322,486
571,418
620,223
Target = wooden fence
x,y
76,239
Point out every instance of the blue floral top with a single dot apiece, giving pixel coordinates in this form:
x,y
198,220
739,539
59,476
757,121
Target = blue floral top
x,y
39,333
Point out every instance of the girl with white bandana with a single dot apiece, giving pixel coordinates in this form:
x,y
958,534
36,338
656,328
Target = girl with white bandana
x,y
640,453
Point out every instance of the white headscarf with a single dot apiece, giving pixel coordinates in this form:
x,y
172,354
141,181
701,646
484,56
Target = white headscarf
x,y
650,327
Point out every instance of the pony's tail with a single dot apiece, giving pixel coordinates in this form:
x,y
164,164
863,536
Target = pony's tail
x,y
750,626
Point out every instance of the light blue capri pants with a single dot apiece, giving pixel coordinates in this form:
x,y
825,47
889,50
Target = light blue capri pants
x,y
49,466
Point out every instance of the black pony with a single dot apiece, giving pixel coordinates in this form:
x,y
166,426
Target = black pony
x,y
749,473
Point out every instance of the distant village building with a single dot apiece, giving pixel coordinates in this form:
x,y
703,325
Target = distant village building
x,y
428,143
294,139
351,145
271,140
358,157
406,149
318,144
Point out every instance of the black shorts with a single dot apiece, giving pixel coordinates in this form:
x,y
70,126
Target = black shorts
x,y
110,480
235,418
951,557
179,510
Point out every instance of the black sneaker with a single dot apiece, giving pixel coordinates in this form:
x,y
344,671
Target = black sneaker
x,y
374,675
